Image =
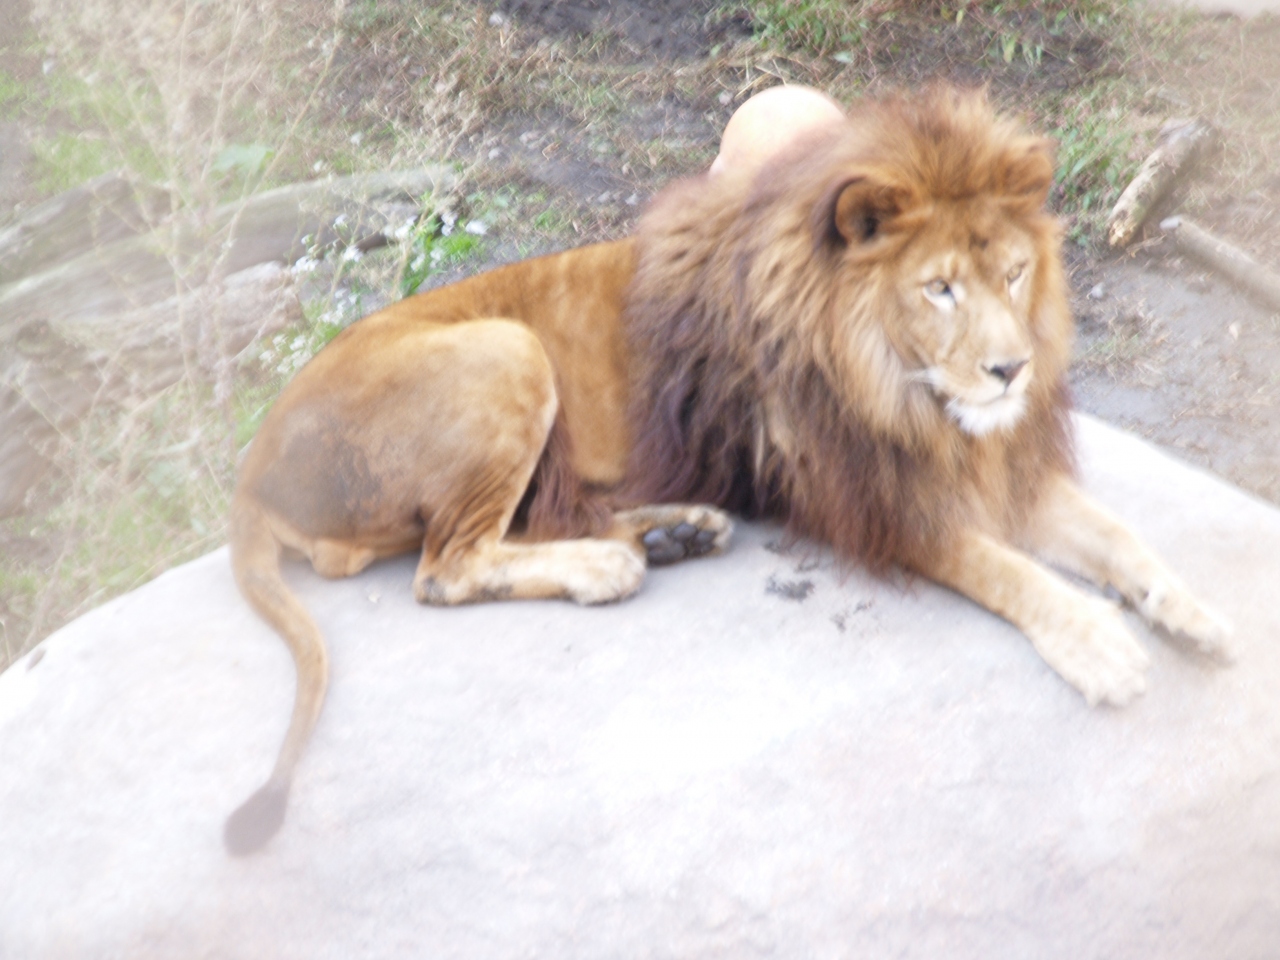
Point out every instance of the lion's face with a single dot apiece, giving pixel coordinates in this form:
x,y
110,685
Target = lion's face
x,y
963,291
951,297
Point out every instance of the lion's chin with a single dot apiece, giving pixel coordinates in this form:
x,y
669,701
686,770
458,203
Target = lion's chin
x,y
980,419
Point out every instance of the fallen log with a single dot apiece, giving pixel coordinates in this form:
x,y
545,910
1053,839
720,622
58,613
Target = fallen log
x,y
1226,258
1180,145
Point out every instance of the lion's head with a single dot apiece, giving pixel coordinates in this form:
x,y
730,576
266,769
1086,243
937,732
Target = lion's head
x,y
871,332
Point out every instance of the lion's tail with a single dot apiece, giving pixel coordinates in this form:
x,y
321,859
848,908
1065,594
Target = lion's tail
x,y
255,559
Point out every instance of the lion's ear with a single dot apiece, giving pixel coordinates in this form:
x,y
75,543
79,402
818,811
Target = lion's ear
x,y
1028,173
862,208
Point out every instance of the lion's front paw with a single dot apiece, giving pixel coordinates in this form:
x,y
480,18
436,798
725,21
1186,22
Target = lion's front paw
x,y
1172,607
604,571
1094,652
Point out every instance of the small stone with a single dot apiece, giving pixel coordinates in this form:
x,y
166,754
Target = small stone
x,y
1097,292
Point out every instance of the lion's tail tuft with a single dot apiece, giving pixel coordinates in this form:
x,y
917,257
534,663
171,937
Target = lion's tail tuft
x,y
256,820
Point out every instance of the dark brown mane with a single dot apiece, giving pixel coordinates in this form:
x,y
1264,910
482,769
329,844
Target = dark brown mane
x,y
739,397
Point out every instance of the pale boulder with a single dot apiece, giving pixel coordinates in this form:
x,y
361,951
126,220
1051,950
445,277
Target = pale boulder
x,y
760,755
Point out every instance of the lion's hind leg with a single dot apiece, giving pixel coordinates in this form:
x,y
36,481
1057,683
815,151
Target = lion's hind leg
x,y
467,556
671,532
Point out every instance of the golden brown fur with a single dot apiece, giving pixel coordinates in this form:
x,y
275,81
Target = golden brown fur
x,y
867,339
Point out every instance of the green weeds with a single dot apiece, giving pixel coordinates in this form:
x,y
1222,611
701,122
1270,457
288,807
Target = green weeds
x,y
820,27
1096,159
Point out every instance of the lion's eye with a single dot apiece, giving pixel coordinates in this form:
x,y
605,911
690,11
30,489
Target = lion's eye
x,y
1012,276
937,288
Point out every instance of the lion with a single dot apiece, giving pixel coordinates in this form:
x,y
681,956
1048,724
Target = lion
x,y
867,338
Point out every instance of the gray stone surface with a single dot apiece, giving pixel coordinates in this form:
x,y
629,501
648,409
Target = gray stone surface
x,y
758,756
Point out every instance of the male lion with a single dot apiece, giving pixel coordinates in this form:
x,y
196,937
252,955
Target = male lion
x,y
866,337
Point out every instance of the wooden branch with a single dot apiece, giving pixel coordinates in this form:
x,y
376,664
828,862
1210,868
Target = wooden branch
x,y
1224,257
1180,145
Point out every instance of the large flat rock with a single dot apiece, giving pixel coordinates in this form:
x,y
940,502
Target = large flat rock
x,y
760,755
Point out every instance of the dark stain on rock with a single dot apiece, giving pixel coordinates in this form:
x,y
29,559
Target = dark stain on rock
x,y
797,590
841,619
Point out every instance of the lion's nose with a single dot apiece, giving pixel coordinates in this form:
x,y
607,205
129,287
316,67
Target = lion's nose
x,y
1007,372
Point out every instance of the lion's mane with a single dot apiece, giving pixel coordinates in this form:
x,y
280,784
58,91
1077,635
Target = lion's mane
x,y
763,380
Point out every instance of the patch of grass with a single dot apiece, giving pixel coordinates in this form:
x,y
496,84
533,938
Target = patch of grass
x,y
13,92
1094,163
435,245
1097,156
818,26
66,160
